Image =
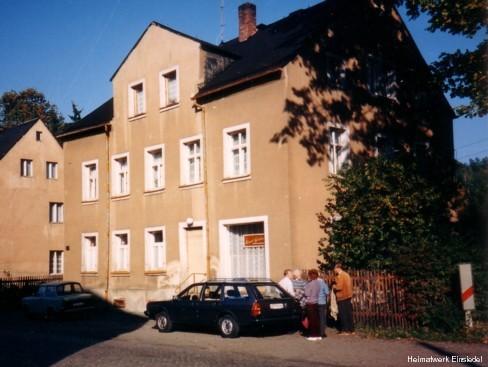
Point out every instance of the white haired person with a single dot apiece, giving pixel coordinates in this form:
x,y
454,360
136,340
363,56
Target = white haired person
x,y
286,282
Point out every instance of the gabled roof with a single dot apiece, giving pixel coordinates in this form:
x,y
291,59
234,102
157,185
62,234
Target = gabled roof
x,y
100,116
272,46
10,136
205,45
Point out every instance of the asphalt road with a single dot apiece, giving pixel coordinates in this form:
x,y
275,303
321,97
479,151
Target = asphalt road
x,y
119,339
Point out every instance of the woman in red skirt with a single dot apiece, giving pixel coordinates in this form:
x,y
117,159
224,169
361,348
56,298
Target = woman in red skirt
x,y
312,290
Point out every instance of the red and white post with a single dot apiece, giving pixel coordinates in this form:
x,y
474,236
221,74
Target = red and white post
x,y
467,292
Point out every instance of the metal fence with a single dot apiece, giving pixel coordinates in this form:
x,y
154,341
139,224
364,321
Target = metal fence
x,y
13,288
379,300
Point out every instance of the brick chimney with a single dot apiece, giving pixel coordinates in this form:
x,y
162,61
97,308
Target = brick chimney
x,y
247,21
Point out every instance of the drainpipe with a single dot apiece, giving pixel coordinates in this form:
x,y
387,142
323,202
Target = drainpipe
x,y
108,128
200,108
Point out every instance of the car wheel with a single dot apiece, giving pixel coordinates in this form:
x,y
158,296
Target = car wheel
x,y
163,322
228,327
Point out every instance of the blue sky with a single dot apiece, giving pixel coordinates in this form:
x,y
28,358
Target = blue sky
x,y
68,49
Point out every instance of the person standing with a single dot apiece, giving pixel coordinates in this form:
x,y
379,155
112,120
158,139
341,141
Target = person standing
x,y
322,304
299,287
343,291
312,290
286,282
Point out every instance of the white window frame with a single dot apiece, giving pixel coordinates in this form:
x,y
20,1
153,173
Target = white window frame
x,y
163,90
116,247
116,190
26,167
56,212
148,168
149,244
338,147
85,181
227,134
185,158
54,256
224,246
131,101
52,170
92,265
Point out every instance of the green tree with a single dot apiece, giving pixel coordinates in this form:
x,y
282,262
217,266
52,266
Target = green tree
x,y
76,114
388,215
463,72
17,107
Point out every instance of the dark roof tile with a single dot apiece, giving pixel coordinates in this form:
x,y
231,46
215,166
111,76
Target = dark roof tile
x,y
10,136
103,114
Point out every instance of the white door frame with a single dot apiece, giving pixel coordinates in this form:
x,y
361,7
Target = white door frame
x,y
224,245
182,227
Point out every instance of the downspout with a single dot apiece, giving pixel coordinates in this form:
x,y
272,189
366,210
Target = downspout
x,y
108,128
200,108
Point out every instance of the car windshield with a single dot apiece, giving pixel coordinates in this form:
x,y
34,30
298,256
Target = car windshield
x,y
269,291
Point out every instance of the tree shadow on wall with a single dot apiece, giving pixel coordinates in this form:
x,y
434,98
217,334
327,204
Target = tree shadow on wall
x,y
365,74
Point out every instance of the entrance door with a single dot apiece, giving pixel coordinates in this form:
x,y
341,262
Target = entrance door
x,y
195,253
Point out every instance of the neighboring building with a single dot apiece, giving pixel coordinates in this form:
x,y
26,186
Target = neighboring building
x,y
31,201
210,160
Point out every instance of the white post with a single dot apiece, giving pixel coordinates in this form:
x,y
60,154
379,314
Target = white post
x,y
467,292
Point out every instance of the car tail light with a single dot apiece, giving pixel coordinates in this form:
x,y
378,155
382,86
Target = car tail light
x,y
255,309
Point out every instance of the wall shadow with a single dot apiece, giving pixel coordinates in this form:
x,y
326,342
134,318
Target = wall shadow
x,y
364,73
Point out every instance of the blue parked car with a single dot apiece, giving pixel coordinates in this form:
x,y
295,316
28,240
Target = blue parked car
x,y
228,305
56,298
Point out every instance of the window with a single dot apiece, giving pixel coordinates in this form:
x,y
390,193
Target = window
x,y
56,212
26,168
89,176
338,148
154,168
266,291
56,262
169,88
155,248
120,251
137,99
236,151
89,252
191,294
51,170
38,135
191,161
120,174
211,292
233,292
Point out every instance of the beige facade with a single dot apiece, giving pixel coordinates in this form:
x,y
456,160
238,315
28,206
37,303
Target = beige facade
x,y
31,229
173,188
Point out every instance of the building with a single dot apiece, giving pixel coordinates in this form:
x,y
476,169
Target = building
x,y
210,160
31,200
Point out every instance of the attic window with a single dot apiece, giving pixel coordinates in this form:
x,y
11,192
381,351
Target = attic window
x,y
169,88
38,135
137,99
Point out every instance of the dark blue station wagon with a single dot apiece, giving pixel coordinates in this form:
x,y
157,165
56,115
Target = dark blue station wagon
x,y
230,305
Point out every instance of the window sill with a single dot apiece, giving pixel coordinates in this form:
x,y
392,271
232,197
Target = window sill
x,y
154,191
153,273
56,222
236,178
191,186
26,176
120,197
89,273
119,273
137,117
89,202
169,107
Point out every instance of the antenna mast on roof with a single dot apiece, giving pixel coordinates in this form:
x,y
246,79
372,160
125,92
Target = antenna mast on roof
x,y
222,24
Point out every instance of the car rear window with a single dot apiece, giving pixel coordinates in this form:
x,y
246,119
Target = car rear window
x,y
269,291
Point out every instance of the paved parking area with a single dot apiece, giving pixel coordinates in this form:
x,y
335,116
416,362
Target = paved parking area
x,y
119,339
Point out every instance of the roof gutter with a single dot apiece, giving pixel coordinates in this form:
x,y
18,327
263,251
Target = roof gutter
x,y
81,130
237,82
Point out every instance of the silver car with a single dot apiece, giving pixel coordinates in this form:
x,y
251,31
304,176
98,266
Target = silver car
x,y
56,298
